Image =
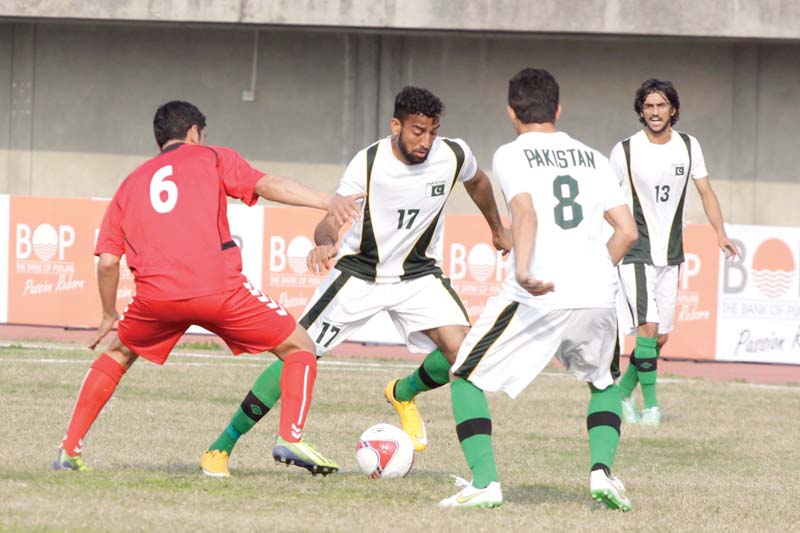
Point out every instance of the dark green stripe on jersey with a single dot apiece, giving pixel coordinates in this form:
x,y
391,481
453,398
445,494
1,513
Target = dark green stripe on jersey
x,y
449,287
326,298
641,294
364,264
640,251
482,346
675,246
417,263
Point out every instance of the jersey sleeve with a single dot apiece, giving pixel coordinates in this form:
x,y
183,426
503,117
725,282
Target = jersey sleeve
x,y
502,169
238,177
612,193
698,169
354,179
111,239
470,166
618,165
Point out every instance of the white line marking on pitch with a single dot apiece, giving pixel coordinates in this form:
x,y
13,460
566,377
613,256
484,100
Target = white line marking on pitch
x,y
245,361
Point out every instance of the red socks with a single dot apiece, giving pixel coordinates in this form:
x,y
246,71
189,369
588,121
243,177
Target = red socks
x,y
297,385
97,387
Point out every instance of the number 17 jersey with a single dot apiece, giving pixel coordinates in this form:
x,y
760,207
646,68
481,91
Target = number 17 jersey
x,y
398,236
571,187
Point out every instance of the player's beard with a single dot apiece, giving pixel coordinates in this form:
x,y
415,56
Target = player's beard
x,y
660,131
410,157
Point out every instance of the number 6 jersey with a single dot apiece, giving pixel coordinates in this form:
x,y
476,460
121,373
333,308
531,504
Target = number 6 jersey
x,y
654,178
571,187
401,226
169,218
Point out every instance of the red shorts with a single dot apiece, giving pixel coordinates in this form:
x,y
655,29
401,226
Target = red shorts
x,y
245,318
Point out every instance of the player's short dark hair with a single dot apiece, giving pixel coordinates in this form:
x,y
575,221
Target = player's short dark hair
x,y
174,119
417,101
533,95
661,87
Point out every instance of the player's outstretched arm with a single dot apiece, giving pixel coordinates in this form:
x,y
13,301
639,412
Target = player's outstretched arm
x,y
625,233
714,214
277,189
107,282
480,190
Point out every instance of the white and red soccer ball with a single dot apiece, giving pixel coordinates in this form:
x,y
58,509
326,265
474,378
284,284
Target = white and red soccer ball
x,y
385,451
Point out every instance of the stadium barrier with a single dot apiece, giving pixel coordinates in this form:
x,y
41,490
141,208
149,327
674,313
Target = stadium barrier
x,y
742,310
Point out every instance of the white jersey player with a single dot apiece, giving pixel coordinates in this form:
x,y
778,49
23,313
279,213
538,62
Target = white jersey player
x,y
390,261
654,167
559,297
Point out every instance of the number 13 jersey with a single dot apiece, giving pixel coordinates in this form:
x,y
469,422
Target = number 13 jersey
x,y
654,178
398,236
571,187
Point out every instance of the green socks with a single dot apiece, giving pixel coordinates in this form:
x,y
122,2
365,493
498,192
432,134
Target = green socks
x,y
646,365
630,378
642,369
432,373
474,430
603,421
264,394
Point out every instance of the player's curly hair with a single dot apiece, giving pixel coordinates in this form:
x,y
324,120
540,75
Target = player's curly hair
x,y
533,95
662,87
174,119
417,101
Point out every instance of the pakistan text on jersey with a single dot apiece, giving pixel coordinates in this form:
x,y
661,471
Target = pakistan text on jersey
x,y
559,158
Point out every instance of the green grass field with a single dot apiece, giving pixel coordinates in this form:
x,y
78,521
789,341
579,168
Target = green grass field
x,y
726,457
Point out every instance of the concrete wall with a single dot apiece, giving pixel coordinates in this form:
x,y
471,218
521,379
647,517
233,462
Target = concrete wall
x,y
710,18
79,99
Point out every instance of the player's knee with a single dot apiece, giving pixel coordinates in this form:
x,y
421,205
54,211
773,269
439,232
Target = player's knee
x,y
298,341
648,329
123,355
662,340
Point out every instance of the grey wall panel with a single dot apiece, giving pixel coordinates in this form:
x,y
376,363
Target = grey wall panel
x,y
5,101
779,113
718,18
321,95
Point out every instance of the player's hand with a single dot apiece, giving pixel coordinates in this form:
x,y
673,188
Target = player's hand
x,y
728,248
106,325
320,258
346,208
534,286
502,240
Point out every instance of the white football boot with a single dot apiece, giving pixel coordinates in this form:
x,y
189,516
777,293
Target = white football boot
x,y
609,491
469,496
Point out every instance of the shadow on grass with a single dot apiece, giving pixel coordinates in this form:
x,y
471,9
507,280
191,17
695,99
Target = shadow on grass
x,y
540,494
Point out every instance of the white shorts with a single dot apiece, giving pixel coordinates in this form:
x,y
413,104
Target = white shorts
x,y
511,343
649,295
343,303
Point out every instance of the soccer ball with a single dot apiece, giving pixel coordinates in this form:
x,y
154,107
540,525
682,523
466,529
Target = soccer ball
x,y
385,451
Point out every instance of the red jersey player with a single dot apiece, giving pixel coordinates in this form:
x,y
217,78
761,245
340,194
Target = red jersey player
x,y
169,218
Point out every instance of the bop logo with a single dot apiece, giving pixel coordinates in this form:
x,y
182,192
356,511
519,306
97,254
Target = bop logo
x,y
294,254
482,262
45,242
773,268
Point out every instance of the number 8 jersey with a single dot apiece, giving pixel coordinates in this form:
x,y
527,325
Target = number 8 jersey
x,y
571,187
401,226
654,178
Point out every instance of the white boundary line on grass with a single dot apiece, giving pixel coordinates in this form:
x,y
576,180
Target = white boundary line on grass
x,y
227,361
